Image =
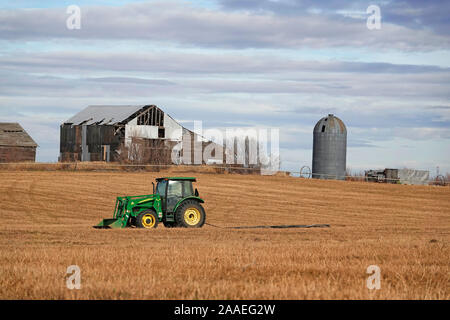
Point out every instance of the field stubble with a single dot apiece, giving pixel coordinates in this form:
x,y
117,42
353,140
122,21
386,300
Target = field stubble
x,y
47,220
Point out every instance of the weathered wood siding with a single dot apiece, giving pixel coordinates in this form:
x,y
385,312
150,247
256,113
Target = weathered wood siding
x,y
71,142
17,154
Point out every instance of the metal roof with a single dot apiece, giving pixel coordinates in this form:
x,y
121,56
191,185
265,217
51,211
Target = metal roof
x,y
330,124
104,114
12,134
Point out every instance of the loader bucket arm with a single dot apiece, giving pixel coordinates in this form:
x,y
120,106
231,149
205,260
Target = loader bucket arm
x,y
119,219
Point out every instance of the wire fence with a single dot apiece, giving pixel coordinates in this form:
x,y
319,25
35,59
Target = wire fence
x,y
350,177
239,169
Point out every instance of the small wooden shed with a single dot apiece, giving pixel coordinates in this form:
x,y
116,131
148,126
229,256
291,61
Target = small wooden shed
x,y
16,145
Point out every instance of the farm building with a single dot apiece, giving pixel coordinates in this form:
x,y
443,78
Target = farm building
x,y
15,144
136,133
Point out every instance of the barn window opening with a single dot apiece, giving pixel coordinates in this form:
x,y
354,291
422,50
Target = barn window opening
x,y
161,133
323,128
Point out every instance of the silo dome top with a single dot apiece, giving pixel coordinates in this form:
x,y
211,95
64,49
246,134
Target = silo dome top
x,y
330,124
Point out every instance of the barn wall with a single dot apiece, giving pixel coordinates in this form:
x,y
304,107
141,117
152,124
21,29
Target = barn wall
x,y
174,131
17,154
71,142
140,131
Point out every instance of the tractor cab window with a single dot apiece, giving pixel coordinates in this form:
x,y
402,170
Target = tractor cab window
x,y
187,189
174,194
176,191
161,188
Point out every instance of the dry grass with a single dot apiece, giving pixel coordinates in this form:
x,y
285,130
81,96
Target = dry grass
x,y
47,218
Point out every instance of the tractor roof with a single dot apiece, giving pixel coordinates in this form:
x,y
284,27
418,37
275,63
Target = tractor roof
x,y
177,178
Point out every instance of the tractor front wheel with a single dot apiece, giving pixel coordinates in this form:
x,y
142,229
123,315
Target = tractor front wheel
x,y
190,214
147,219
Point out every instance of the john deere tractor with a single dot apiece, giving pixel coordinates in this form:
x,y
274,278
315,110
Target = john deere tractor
x,y
174,203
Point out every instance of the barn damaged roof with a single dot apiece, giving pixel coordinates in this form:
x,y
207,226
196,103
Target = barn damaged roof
x,y
12,134
106,115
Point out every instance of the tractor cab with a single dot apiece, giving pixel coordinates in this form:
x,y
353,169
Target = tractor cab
x,y
172,190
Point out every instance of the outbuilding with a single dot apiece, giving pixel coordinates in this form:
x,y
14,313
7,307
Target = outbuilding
x,y
16,145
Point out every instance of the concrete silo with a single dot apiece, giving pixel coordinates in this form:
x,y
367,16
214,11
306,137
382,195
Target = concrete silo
x,y
329,149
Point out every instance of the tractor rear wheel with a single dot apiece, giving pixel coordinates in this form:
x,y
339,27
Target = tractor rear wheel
x,y
147,219
190,214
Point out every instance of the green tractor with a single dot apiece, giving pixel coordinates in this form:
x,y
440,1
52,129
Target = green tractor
x,y
174,203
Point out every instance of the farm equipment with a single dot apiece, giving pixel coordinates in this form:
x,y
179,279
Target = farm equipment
x,y
174,203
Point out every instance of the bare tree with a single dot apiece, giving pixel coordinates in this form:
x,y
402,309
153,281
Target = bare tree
x,y
139,150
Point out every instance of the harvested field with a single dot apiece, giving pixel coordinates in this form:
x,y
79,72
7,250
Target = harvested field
x,y
47,220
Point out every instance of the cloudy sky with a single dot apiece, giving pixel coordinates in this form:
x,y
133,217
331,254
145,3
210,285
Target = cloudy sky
x,y
248,63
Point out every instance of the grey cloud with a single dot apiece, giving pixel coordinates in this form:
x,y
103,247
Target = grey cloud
x,y
360,143
365,85
318,78
417,14
414,14
131,80
179,63
439,107
188,25
293,7
377,135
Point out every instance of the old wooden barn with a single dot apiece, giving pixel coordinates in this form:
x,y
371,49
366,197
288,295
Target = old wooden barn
x,y
136,133
16,145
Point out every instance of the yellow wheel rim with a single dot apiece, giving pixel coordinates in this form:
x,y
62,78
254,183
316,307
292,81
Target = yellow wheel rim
x,y
148,220
192,216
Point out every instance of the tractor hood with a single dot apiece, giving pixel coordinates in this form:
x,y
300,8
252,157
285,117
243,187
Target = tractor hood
x,y
138,199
